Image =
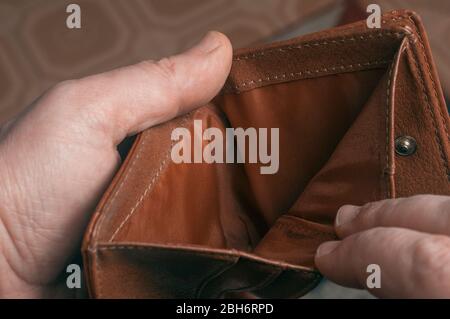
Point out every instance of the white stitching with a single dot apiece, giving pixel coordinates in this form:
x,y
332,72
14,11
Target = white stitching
x,y
119,186
425,90
149,186
387,123
300,73
316,44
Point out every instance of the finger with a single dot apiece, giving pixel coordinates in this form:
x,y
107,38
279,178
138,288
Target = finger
x,y
425,213
130,99
412,264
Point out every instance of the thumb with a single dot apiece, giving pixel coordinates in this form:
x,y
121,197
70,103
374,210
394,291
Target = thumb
x,y
128,100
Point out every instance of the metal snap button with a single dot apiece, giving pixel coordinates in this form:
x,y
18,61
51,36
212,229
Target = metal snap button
x,y
405,145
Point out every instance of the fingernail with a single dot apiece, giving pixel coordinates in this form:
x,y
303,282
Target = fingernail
x,y
346,214
327,248
209,43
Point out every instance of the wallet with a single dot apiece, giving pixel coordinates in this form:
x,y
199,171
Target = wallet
x,y
360,116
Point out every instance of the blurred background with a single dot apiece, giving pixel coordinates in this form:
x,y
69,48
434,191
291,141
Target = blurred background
x,y
37,50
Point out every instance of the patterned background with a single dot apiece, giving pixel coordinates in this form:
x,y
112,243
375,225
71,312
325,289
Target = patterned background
x,y
37,50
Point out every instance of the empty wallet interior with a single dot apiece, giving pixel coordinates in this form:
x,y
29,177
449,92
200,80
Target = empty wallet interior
x,y
339,98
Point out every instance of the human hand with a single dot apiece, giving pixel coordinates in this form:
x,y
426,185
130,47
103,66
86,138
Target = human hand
x,y
58,156
408,238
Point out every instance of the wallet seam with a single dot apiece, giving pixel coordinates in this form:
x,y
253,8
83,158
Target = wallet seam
x,y
390,122
297,226
233,259
433,83
152,182
249,56
425,92
389,111
230,255
322,71
118,187
333,40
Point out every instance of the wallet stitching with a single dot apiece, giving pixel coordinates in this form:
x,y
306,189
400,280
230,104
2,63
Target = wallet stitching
x,y
432,79
390,160
152,182
326,70
119,186
224,257
303,226
344,39
311,43
284,49
388,186
97,274
428,103
388,112
127,174
218,255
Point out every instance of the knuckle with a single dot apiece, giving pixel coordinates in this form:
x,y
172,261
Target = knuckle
x,y
164,69
167,65
374,213
163,74
371,207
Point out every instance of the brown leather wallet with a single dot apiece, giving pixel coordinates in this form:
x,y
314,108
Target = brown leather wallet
x,y
361,118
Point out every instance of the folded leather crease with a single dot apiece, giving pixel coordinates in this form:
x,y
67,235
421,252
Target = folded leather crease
x,y
339,98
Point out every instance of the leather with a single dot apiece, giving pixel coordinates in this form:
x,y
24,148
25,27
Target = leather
x,y
340,98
